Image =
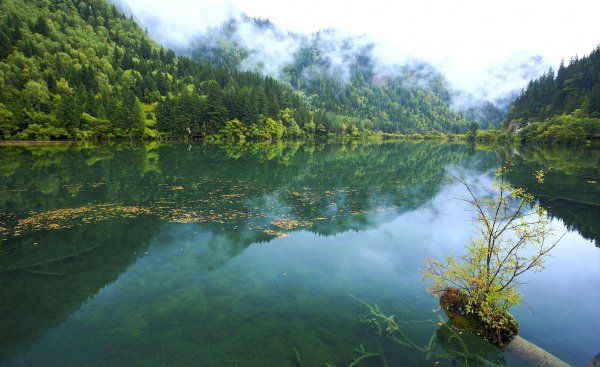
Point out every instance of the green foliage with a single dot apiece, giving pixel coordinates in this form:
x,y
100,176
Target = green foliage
x,y
82,70
562,108
7,125
35,95
486,114
413,100
573,87
41,132
275,129
511,233
233,131
98,129
357,96
564,129
490,136
472,133
69,58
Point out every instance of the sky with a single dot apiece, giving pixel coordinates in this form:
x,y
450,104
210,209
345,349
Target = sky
x,y
470,41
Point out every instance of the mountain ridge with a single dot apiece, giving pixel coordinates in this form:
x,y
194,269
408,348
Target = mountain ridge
x,y
337,70
86,71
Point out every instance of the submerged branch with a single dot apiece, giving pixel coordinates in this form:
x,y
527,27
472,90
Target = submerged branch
x,y
46,262
399,337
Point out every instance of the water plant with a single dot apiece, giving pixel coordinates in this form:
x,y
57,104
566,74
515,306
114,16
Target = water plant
x,y
445,343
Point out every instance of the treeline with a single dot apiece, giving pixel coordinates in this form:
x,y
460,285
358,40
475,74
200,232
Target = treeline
x,y
246,107
575,128
411,99
83,70
573,87
561,107
342,78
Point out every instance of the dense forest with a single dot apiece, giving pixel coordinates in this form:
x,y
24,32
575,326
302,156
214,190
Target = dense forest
x,y
343,78
562,106
412,99
83,70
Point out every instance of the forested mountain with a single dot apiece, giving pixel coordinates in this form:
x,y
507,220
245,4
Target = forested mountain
x,y
485,113
572,87
562,106
83,70
343,78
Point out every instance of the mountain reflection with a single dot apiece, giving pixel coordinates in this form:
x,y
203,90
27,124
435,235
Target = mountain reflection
x,y
276,188
75,217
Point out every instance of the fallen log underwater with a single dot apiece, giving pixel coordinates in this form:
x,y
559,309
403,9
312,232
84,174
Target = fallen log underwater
x,y
532,354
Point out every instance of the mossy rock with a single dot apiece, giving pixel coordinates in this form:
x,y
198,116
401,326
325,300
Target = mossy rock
x,y
499,332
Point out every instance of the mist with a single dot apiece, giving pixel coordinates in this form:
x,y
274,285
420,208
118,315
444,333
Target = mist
x,y
174,23
481,57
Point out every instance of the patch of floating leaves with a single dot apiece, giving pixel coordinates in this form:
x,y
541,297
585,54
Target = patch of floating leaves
x,y
289,223
69,217
185,216
217,206
167,211
271,232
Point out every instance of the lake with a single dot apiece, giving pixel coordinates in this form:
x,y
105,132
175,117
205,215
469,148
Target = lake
x,y
260,255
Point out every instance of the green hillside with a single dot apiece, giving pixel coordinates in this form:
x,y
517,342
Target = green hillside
x,y
83,70
342,78
561,107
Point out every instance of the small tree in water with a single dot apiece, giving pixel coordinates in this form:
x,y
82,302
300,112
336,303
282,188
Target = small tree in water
x,y
478,288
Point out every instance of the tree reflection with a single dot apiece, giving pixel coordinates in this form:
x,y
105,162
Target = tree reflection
x,y
115,199
571,190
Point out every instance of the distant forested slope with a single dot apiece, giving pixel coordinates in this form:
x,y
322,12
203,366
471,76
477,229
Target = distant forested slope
x,y
560,107
572,87
343,78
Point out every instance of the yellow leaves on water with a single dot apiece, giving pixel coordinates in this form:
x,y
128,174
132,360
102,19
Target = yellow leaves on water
x,y
271,232
289,223
171,187
218,206
70,217
184,216
228,198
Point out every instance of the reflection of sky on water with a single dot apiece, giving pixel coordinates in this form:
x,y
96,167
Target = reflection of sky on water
x,y
190,275
564,301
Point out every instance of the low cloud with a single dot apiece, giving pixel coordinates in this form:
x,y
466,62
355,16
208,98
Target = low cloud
x,y
268,48
175,23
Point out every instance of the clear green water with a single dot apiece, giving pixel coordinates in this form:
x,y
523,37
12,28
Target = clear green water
x,y
182,255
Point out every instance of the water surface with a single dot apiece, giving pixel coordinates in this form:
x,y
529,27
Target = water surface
x,y
180,254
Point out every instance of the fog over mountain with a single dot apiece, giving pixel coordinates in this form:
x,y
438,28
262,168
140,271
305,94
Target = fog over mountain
x,y
468,45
